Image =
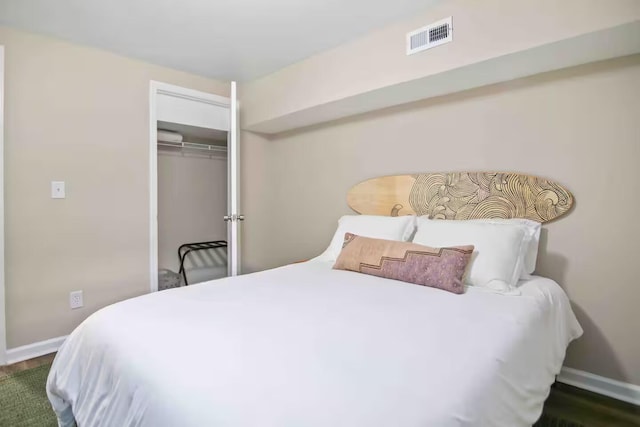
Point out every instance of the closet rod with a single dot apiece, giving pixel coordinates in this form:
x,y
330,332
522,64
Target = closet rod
x,y
194,146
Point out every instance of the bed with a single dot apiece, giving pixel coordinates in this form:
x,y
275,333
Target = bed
x,y
309,345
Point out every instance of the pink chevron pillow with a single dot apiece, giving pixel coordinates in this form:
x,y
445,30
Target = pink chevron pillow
x,y
441,268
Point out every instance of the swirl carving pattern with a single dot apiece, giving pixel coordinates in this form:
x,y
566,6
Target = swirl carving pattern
x,y
463,195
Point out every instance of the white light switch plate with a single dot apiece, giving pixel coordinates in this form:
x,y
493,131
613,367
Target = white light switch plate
x,y
57,190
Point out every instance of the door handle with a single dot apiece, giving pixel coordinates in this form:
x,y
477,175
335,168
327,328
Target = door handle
x,y
240,217
227,218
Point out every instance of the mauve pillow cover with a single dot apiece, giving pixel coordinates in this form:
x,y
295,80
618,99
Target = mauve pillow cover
x,y
441,268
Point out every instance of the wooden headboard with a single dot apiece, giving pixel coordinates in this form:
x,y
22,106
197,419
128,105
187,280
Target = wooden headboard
x,y
462,195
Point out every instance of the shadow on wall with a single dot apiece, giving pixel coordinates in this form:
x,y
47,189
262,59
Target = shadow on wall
x,y
550,264
593,345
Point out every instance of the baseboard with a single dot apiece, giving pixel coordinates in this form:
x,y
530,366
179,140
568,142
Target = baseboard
x,y
29,351
601,385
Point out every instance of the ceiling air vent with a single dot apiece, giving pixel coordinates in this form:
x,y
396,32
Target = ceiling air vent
x,y
433,35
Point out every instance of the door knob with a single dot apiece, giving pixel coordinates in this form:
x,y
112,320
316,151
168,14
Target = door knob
x,y
227,218
240,217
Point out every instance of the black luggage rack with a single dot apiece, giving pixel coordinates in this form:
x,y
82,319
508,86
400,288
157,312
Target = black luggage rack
x,y
187,248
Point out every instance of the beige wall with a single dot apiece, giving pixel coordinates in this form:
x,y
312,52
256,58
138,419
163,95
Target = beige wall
x,y
483,30
192,199
579,126
79,115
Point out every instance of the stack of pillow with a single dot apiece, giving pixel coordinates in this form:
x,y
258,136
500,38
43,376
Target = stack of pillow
x,y
447,254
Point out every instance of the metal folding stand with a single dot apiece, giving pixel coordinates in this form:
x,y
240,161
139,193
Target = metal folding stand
x,y
187,248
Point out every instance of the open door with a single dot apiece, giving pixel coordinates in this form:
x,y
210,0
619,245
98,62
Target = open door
x,y
3,342
233,217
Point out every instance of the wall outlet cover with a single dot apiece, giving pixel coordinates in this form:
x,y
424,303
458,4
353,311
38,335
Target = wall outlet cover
x,y
57,190
75,299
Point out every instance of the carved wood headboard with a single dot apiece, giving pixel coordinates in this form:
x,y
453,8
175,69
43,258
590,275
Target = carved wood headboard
x,y
462,195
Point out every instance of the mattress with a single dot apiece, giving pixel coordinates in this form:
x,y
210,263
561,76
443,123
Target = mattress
x,y
306,345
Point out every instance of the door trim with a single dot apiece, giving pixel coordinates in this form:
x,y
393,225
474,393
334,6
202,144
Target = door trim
x,y
3,326
233,164
156,88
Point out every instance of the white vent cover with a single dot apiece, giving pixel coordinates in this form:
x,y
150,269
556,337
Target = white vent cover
x,y
433,35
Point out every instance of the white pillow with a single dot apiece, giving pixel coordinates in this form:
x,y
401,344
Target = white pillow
x,y
378,227
499,249
533,230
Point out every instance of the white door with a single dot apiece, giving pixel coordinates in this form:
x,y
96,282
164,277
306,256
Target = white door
x,y
233,217
3,342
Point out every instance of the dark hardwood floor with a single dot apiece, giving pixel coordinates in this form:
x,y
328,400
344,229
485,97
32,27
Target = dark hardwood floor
x,y
571,406
27,364
566,406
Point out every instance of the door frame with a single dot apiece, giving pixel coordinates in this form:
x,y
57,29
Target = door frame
x,y
155,88
233,185
3,326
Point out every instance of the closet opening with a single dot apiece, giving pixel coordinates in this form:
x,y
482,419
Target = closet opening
x,y
194,218
192,202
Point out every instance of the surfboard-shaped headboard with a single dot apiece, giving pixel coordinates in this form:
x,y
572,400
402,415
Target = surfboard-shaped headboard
x,y
462,195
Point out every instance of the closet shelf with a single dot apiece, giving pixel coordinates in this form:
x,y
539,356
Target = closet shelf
x,y
193,146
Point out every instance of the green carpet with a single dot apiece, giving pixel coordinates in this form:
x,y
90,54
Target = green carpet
x,y
23,399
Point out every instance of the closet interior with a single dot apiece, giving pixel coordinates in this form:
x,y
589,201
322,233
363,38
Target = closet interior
x,y
192,201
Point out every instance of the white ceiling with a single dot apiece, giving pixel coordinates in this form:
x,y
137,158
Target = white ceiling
x,y
225,39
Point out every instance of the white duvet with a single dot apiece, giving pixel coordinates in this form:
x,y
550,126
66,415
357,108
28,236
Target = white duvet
x,y
305,345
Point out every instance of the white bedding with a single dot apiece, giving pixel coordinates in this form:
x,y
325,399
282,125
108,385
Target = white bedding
x,y
305,345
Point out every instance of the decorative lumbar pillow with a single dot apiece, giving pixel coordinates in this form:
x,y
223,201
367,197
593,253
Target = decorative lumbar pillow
x,y
441,268
375,226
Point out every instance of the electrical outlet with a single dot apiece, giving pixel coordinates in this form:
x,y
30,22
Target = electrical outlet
x,y
57,190
75,299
